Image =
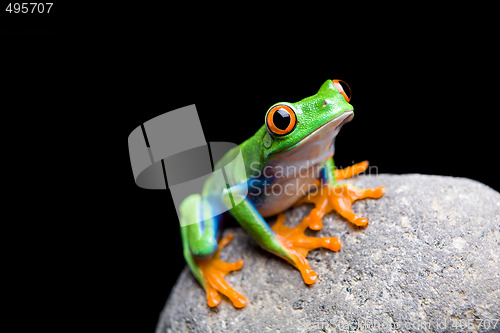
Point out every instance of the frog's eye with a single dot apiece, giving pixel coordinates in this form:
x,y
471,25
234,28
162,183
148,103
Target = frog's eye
x,y
281,119
340,89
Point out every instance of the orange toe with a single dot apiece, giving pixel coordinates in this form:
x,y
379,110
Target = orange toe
x,y
298,245
351,171
340,199
214,271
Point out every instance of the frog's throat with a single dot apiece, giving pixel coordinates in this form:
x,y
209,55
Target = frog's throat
x,y
333,125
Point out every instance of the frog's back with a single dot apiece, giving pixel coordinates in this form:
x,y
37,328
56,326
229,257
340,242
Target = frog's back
x,y
249,152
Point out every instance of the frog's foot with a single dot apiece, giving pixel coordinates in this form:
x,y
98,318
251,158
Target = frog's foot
x,y
298,245
339,198
214,270
351,171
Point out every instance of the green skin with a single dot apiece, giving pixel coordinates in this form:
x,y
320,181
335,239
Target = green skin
x,y
313,114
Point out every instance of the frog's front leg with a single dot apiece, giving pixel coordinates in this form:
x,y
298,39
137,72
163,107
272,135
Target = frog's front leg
x,y
289,243
332,196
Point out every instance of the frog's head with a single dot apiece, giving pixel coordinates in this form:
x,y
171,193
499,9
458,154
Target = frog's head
x,y
315,120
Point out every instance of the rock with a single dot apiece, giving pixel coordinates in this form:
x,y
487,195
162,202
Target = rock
x,y
427,261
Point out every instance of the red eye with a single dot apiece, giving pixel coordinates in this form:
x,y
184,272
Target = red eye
x,y
340,89
281,119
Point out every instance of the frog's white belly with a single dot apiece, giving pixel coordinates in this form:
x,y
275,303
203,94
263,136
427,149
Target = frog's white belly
x,y
284,192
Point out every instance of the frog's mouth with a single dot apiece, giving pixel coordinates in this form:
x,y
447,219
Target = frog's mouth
x,y
333,125
325,134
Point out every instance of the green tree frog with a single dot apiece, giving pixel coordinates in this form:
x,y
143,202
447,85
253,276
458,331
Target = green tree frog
x,y
292,151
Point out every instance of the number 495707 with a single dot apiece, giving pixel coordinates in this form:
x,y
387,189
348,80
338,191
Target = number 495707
x,y
29,7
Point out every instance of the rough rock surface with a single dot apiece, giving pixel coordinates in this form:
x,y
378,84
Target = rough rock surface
x,y
429,261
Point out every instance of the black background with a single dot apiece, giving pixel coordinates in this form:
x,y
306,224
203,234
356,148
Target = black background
x,y
424,92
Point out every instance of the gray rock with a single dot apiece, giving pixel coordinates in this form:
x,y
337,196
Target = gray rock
x,y
427,262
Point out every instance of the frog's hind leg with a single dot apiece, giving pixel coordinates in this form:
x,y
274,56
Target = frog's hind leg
x,y
202,253
214,271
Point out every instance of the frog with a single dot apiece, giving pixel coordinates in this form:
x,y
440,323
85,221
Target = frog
x,y
293,150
